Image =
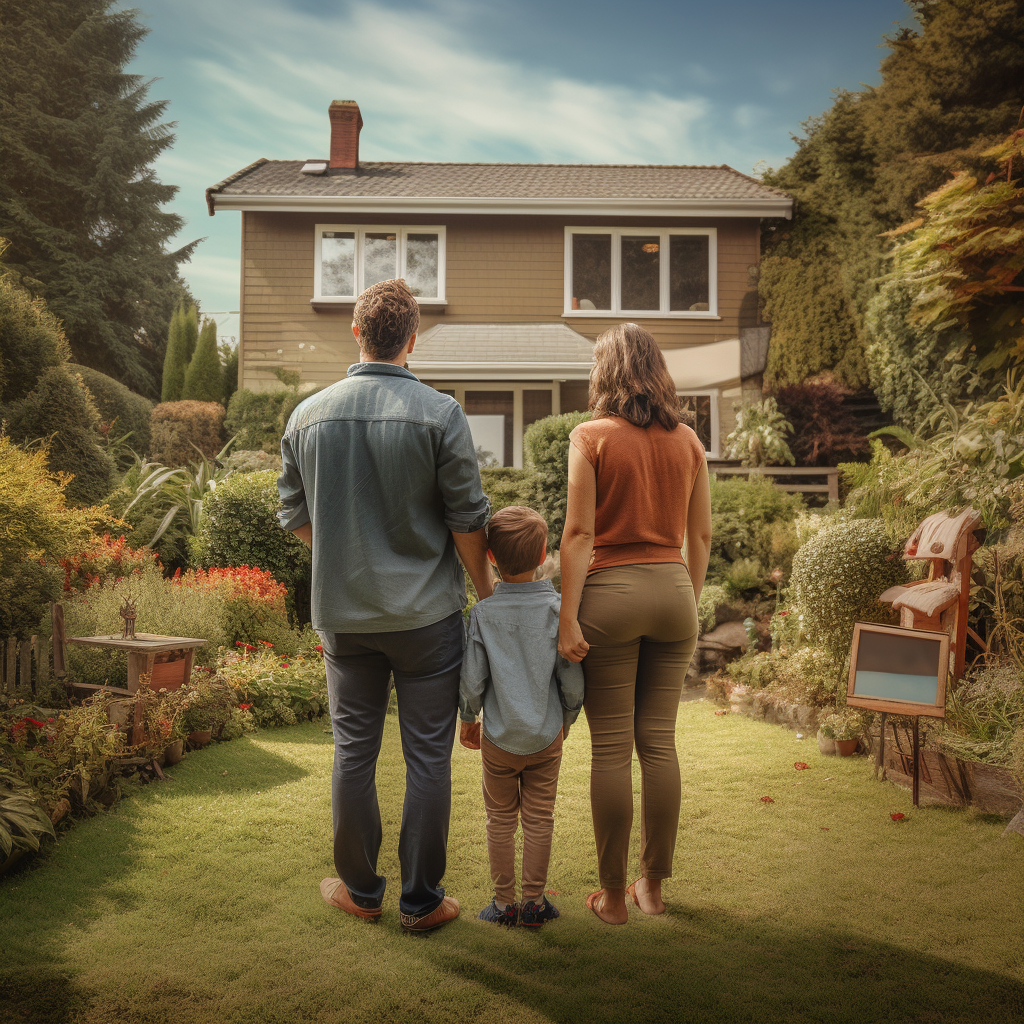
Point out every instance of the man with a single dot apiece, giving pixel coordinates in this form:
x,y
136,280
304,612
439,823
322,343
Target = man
x,y
380,477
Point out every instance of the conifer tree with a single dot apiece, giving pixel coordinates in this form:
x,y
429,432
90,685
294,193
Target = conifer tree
x,y
190,329
175,359
79,199
204,380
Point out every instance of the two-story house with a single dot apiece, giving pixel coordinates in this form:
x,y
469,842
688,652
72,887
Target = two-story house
x,y
517,269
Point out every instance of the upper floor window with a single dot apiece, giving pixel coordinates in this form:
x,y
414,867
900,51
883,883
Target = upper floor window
x,y
349,259
641,272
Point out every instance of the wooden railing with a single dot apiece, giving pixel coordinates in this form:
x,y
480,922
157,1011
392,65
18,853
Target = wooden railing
x,y
830,473
24,665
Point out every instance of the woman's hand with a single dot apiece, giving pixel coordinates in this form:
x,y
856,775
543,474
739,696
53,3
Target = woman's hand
x,y
469,735
571,644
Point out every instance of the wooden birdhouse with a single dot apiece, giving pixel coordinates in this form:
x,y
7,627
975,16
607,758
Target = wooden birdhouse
x,y
939,601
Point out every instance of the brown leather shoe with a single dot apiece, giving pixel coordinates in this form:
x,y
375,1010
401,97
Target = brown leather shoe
x,y
335,892
447,910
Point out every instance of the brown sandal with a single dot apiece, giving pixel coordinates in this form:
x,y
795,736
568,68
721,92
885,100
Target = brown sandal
x,y
336,893
631,889
592,905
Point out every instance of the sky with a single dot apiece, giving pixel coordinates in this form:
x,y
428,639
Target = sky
x,y
547,81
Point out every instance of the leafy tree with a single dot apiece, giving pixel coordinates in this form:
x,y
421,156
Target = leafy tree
x,y
824,429
79,198
204,378
949,321
950,90
759,438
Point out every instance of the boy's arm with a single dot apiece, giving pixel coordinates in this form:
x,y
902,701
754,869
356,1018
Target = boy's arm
x,y
476,673
570,689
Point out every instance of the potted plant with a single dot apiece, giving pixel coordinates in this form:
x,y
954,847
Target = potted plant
x,y
208,705
826,744
844,727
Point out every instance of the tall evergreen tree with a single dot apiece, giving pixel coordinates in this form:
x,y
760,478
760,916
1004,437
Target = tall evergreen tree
x,y
950,89
190,333
175,359
204,381
79,199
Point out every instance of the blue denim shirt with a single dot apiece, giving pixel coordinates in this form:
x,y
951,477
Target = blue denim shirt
x,y
512,669
384,467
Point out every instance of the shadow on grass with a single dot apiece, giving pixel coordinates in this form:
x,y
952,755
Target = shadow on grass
x,y
86,874
713,965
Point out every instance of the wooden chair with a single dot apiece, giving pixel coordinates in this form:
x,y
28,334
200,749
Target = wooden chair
x,y
940,600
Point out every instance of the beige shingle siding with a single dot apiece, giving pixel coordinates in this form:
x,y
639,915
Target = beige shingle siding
x,y
499,270
502,343
497,181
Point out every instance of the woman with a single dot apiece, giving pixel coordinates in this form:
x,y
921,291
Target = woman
x,y
638,491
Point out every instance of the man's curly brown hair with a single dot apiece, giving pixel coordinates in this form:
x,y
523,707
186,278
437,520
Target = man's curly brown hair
x,y
387,316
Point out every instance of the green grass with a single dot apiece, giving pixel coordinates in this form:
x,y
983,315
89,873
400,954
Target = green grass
x,y
196,900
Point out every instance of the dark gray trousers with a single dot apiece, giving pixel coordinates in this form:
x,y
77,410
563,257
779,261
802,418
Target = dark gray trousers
x,y
426,663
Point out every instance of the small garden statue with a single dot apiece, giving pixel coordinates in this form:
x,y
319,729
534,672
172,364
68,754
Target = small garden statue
x,y
127,612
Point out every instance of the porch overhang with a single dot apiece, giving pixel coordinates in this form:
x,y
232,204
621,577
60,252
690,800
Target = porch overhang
x,y
703,367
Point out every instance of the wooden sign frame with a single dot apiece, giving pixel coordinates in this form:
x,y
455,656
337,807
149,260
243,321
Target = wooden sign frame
x,y
891,705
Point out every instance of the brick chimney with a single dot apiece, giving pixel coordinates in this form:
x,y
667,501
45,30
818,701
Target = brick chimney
x,y
345,125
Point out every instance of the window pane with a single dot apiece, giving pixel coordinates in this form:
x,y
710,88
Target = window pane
x,y
338,263
421,265
490,422
697,414
575,396
591,271
641,274
688,272
379,254
536,405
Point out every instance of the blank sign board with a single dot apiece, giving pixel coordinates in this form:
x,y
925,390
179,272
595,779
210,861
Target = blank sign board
x,y
902,671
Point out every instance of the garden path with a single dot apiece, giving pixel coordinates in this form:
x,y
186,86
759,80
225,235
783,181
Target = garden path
x,y
196,899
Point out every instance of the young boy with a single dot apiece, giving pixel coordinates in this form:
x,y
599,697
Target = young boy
x,y
530,696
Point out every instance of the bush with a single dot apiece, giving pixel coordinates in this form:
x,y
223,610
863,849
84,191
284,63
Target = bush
x,y
546,446
824,430
254,419
31,339
239,527
984,713
38,529
759,437
204,378
807,675
61,412
505,486
127,412
745,515
712,597
838,576
276,690
177,426
252,461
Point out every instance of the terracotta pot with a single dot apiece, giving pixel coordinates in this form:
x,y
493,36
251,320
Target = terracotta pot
x,y
174,752
826,745
199,738
844,748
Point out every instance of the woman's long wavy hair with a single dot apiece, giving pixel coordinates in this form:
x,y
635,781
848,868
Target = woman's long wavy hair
x,y
630,379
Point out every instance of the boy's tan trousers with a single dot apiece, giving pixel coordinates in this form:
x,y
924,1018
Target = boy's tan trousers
x,y
520,785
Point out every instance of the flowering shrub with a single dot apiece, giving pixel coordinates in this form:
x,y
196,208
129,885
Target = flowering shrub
x,y
276,689
838,576
105,559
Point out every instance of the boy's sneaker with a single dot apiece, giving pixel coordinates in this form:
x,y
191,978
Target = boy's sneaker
x,y
497,915
533,915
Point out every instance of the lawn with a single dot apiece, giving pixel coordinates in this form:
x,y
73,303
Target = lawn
x,y
196,900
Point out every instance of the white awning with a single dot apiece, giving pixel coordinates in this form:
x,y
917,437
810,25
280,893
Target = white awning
x,y
699,367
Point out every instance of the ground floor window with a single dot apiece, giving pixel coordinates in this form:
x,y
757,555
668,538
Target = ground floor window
x,y
701,409
499,412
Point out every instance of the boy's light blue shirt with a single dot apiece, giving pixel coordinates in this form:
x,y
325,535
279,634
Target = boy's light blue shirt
x,y
512,669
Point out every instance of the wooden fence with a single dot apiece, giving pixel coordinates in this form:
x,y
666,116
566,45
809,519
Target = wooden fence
x,y
830,474
27,665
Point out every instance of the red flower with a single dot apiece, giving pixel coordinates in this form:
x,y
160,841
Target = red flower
x,y
244,707
266,643
320,648
32,721
284,664
898,816
767,800
800,766
238,643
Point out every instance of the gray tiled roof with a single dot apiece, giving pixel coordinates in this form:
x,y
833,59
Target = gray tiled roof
x,y
501,343
498,181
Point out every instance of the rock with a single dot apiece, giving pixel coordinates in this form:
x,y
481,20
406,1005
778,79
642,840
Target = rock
x,y
729,638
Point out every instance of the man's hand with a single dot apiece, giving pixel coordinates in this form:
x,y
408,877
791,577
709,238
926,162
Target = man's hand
x,y
469,735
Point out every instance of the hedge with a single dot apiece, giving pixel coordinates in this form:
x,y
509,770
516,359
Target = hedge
x,y
177,426
119,405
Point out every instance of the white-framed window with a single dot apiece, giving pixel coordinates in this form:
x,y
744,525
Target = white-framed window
x,y
349,258
641,272
703,407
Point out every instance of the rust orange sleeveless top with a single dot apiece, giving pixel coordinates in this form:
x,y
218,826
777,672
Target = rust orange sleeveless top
x,y
644,479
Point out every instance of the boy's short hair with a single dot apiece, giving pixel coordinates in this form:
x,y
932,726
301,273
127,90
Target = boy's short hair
x,y
387,315
518,538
